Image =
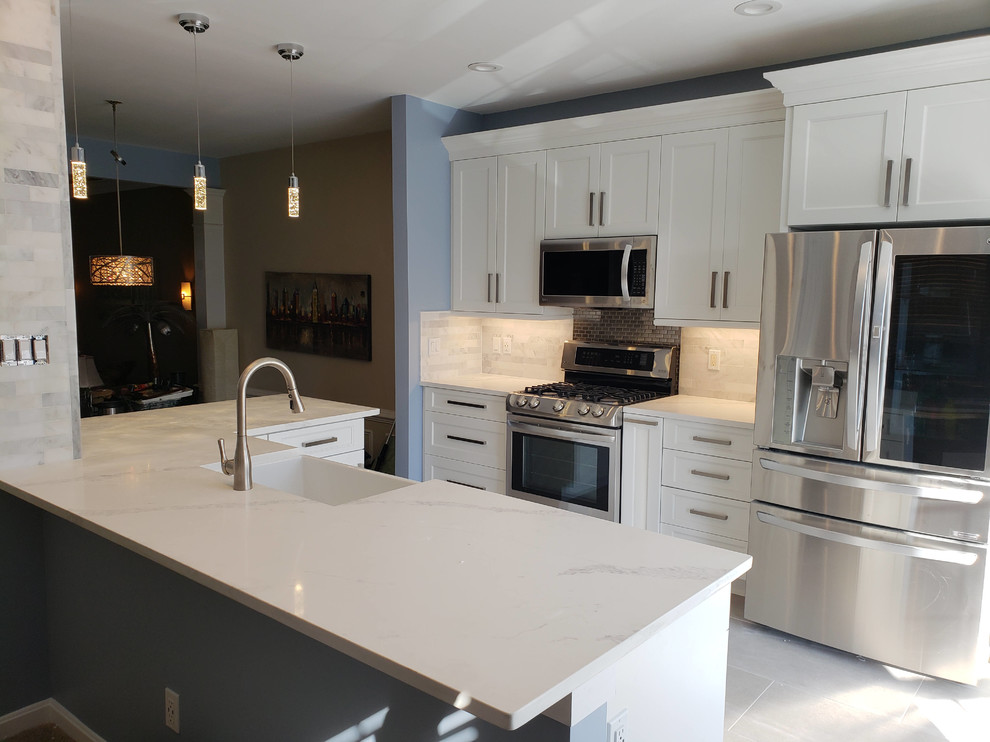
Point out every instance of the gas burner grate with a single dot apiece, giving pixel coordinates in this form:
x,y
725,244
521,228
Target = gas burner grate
x,y
598,393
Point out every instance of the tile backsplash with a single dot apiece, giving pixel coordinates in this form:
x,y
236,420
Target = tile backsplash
x,y
464,345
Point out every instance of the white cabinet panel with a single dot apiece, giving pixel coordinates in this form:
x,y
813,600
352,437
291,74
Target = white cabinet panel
x,y
573,176
459,472
642,455
945,138
720,195
845,160
725,441
716,515
473,198
707,474
328,440
464,403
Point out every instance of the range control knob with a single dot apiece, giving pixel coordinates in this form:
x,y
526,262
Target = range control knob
x,y
583,409
597,410
534,402
519,401
558,405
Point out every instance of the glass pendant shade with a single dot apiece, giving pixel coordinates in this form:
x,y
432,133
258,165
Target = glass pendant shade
x,y
293,196
121,270
199,187
78,163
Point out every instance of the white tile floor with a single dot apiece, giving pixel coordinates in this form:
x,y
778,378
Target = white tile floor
x,y
780,687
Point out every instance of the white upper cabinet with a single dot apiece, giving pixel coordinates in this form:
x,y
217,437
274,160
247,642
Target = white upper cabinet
x,y
898,136
921,155
720,195
947,144
845,161
602,190
496,228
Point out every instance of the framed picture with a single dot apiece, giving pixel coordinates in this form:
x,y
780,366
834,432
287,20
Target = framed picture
x,y
328,314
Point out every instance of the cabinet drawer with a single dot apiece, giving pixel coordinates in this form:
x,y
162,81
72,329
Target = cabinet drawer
x,y
465,404
462,472
718,440
480,442
716,515
328,439
708,474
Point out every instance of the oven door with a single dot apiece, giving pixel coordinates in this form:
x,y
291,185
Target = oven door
x,y
574,467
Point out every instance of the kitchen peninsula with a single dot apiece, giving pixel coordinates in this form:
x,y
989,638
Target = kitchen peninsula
x,y
255,605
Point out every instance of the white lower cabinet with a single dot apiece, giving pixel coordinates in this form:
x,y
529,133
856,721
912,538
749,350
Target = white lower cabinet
x,y
642,453
338,441
464,437
705,484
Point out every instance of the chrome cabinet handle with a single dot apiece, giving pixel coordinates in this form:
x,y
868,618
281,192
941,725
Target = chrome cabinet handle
x,y
710,475
725,290
716,441
636,421
706,514
886,184
591,209
489,288
320,442
467,440
467,404
907,179
496,288
601,208
711,301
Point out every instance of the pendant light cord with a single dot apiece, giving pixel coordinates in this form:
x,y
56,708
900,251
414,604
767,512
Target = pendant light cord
x,y
72,57
116,168
292,121
199,154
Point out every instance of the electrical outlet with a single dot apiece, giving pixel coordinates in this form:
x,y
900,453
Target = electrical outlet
x,y
507,344
172,710
617,727
496,344
714,359
434,346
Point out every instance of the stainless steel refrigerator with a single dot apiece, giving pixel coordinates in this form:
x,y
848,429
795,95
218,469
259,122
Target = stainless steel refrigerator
x,y
871,479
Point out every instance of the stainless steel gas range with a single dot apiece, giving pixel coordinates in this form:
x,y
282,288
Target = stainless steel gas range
x,y
564,439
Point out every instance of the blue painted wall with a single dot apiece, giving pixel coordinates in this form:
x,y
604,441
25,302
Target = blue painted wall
x,y
145,164
421,241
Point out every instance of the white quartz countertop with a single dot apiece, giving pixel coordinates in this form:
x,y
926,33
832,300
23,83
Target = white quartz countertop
x,y
496,605
487,383
701,409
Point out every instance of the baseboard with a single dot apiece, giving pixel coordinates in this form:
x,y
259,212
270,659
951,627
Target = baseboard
x,y
48,711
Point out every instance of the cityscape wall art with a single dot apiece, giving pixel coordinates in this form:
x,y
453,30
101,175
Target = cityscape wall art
x,y
328,314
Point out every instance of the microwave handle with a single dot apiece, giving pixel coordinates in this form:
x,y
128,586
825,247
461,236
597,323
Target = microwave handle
x,y
624,274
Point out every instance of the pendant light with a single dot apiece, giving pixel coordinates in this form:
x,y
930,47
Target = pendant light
x,y
77,157
292,52
196,24
120,270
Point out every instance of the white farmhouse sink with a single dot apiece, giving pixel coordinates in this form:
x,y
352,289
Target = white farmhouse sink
x,y
317,479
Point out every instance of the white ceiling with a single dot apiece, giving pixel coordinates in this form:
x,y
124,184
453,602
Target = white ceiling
x,y
360,52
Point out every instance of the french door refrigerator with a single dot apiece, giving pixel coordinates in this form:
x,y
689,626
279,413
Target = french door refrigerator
x,y
871,479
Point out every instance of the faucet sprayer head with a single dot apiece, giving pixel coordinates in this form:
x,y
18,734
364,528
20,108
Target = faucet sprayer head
x,y
295,401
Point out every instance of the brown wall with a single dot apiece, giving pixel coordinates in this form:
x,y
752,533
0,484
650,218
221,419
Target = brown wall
x,y
345,227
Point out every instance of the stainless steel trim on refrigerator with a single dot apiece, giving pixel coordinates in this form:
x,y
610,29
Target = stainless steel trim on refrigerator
x,y
871,479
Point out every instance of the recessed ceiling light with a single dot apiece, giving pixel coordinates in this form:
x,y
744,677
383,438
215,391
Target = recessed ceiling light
x,y
484,67
758,7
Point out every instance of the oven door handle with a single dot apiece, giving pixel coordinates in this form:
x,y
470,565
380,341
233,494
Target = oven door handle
x,y
951,556
567,432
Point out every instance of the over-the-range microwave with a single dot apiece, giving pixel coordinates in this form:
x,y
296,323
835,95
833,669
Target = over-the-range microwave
x,y
616,272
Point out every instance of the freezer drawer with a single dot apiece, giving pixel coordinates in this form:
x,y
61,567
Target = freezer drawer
x,y
916,602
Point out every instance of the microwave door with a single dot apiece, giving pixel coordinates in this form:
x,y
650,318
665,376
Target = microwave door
x,y
928,391
817,293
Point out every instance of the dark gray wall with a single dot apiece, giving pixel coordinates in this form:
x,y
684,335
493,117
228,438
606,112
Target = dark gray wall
x,y
24,675
123,628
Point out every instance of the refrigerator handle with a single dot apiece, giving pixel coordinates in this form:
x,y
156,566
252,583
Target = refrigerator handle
x,y
854,422
878,347
952,556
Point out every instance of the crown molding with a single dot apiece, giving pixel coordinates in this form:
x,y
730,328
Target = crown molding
x,y
693,115
947,63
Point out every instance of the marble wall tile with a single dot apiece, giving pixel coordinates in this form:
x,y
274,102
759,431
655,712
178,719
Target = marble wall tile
x,y
737,377
39,405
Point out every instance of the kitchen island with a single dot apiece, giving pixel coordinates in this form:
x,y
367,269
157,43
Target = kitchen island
x,y
527,618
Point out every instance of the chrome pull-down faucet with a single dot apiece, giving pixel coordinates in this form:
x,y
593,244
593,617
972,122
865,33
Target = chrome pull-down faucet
x,y
240,466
